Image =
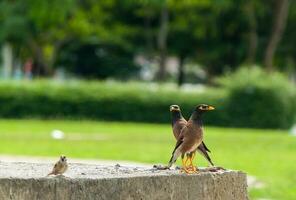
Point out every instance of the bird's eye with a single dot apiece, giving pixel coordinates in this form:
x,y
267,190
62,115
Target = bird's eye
x,y
203,107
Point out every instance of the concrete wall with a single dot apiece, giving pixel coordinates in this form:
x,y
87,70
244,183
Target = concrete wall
x,y
28,181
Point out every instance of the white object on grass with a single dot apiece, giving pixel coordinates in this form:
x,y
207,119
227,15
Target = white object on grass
x,y
293,130
57,134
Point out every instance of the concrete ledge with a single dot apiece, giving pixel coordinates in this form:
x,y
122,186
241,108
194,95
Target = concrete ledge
x,y
27,181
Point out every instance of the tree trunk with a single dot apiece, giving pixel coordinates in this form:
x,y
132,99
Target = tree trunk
x,y
56,48
148,35
279,23
7,55
40,64
40,68
181,74
253,37
162,42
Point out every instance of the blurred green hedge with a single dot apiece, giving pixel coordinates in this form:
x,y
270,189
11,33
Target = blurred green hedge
x,y
97,100
270,104
258,99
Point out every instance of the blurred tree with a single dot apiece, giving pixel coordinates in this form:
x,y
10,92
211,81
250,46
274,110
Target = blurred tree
x,y
186,28
49,31
9,37
279,22
217,35
39,26
100,61
162,40
285,57
253,36
107,48
210,33
146,20
153,27
46,27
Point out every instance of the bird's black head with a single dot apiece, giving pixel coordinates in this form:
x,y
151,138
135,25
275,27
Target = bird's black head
x,y
63,158
201,108
174,108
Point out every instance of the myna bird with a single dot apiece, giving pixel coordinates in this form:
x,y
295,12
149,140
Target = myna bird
x,y
60,167
190,138
178,123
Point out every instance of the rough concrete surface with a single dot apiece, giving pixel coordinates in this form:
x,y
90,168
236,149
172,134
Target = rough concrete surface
x,y
28,181
39,159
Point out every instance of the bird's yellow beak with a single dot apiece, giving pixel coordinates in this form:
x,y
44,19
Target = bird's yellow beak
x,y
211,108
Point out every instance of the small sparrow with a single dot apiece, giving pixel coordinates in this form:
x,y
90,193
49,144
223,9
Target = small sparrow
x,y
60,167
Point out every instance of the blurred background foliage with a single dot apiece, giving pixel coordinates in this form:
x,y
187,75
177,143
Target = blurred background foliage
x,y
208,42
259,100
217,35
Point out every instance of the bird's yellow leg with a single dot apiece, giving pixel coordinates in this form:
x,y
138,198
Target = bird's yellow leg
x,y
187,159
192,168
184,169
189,162
191,157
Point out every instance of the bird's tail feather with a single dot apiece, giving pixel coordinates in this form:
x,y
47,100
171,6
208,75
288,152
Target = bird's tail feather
x,y
174,157
51,173
207,157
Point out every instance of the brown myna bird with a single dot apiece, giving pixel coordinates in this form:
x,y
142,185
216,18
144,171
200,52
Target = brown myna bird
x,y
190,137
60,167
178,123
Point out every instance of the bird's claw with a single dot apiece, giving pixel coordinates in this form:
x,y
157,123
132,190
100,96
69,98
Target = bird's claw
x,y
190,170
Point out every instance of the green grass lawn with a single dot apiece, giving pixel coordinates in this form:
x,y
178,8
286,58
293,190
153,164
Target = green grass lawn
x,y
268,155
